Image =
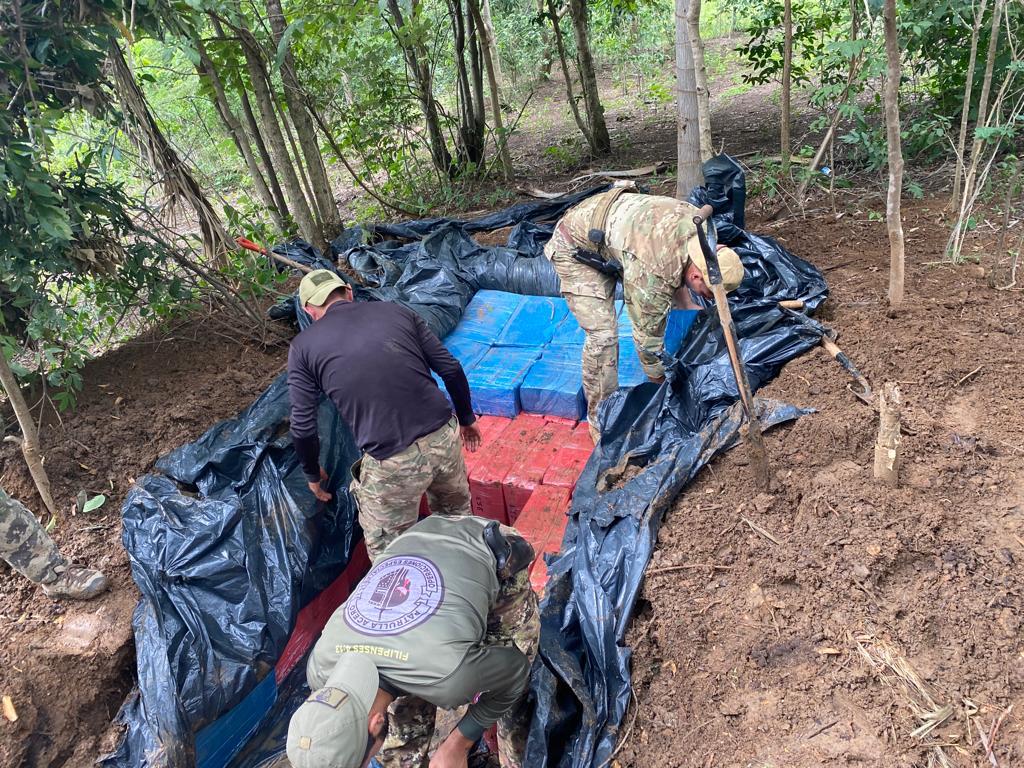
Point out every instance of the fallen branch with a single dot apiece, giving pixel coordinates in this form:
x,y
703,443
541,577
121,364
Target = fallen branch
x,y
688,566
633,173
758,529
969,375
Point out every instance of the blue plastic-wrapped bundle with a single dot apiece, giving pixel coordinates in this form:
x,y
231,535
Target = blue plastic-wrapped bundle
x,y
568,332
533,323
496,378
486,316
554,385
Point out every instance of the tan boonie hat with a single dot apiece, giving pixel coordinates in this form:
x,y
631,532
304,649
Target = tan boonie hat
x,y
728,261
317,286
329,730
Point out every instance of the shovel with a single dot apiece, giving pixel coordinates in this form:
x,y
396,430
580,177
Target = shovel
x,y
756,451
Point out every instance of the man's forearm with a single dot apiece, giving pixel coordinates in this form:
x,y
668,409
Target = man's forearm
x,y
458,389
307,448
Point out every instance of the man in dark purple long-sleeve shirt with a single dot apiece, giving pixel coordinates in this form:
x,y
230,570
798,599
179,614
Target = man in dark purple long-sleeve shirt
x,y
373,360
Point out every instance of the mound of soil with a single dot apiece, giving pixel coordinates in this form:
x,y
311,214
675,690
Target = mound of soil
x,y
67,666
787,628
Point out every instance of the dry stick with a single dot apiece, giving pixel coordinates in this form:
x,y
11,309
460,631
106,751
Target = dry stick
x,y
821,730
827,141
887,446
758,529
625,736
987,745
969,375
687,566
893,220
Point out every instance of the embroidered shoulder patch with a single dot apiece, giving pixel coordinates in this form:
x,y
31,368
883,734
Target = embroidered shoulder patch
x,y
396,596
332,697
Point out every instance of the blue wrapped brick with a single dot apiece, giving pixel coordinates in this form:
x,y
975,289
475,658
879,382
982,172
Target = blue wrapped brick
x,y
534,322
554,384
497,377
487,315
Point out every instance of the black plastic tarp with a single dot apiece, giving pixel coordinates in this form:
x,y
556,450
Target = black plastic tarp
x,y
226,546
581,680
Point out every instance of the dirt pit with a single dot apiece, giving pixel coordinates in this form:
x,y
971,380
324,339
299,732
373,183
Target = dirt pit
x,y
68,666
820,624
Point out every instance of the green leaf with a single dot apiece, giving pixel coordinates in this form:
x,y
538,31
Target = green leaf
x,y
282,47
94,503
52,524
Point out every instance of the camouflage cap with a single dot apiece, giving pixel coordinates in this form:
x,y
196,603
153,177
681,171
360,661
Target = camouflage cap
x,y
318,285
329,730
728,261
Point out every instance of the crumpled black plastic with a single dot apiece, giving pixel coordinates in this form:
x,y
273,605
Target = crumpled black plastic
x,y
581,680
226,546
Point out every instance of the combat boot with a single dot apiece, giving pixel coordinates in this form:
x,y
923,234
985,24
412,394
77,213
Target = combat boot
x,y
76,583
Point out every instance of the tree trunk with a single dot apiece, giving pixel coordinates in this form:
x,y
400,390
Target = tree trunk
x,y
688,163
892,127
573,105
471,127
887,446
419,64
487,25
986,89
261,147
296,97
547,56
176,179
965,114
208,70
492,78
265,103
787,83
601,142
700,71
297,164
29,437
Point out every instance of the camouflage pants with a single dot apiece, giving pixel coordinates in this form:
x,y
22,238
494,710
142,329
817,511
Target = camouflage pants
x,y
513,620
25,545
388,492
649,298
591,298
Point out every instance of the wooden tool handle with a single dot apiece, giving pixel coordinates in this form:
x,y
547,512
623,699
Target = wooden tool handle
x,y
703,214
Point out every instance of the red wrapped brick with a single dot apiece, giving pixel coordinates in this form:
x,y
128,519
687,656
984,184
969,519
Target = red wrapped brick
x,y
566,467
542,523
528,472
492,463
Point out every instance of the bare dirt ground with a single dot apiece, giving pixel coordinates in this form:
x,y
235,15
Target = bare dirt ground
x,y
753,662
754,658
68,666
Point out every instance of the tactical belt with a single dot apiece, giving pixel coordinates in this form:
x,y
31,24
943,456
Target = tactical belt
x,y
600,260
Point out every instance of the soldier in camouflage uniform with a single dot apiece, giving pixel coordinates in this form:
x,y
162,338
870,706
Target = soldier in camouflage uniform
x,y
445,618
374,361
26,548
654,239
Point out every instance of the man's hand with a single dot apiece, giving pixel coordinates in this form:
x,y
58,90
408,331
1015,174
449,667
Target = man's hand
x,y
317,487
471,436
453,752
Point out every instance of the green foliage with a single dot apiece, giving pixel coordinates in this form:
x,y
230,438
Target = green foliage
x,y
73,263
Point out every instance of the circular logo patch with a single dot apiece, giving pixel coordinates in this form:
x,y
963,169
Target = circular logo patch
x,y
397,595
